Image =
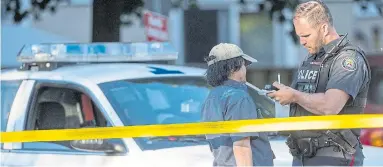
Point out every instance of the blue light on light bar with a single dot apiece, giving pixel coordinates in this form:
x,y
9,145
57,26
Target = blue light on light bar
x,y
97,52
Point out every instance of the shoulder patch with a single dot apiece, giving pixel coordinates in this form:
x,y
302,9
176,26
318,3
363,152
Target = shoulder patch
x,y
349,64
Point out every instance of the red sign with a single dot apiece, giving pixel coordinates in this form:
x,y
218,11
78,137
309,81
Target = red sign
x,y
156,27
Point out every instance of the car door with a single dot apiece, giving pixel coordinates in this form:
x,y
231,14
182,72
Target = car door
x,y
55,106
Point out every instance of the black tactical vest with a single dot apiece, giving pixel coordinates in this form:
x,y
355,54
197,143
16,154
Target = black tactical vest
x,y
313,76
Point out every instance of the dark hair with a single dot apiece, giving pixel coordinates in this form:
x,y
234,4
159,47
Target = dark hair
x,y
219,72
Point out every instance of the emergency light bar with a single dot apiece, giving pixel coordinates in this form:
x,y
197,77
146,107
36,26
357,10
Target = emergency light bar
x,y
97,52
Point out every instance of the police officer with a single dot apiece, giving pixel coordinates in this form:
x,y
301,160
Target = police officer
x,y
334,79
229,100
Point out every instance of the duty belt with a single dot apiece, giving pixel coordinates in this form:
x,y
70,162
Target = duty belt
x,y
340,142
308,146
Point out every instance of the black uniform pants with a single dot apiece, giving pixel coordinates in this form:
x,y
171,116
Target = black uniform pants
x,y
331,156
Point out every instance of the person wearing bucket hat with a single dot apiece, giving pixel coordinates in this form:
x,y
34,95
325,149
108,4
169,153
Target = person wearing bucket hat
x,y
225,51
229,100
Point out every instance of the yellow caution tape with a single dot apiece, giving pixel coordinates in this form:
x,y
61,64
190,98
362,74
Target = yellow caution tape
x,y
259,125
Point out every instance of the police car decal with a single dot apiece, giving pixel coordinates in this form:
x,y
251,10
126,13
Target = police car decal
x,y
349,64
157,70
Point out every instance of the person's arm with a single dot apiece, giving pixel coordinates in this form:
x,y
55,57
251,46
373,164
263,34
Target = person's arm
x,y
329,103
242,152
348,75
242,108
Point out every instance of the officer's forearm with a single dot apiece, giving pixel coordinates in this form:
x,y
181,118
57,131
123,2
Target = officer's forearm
x,y
329,103
314,103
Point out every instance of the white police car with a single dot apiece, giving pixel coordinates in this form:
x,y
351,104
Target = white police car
x,y
66,86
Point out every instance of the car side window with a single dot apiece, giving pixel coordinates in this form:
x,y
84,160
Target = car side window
x,y
8,93
61,108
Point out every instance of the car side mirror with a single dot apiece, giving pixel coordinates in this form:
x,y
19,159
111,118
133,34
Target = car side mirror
x,y
98,145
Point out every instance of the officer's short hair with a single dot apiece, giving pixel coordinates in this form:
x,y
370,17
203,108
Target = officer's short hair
x,y
315,11
219,72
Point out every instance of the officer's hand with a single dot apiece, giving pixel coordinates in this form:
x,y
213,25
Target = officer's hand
x,y
285,94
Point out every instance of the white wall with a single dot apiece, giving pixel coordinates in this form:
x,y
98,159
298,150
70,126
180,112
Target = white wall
x,y
14,37
133,33
348,18
75,22
72,22
365,27
343,16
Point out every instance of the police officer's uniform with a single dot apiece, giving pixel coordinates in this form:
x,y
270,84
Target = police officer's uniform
x,y
347,69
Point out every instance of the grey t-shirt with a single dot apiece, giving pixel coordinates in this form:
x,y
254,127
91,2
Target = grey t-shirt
x,y
349,73
232,102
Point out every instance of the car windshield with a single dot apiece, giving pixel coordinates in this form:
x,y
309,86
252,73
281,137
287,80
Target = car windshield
x,y
151,101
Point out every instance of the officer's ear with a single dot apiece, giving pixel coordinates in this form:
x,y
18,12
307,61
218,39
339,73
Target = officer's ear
x,y
325,29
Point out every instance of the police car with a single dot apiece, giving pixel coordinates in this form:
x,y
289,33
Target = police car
x,y
66,86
